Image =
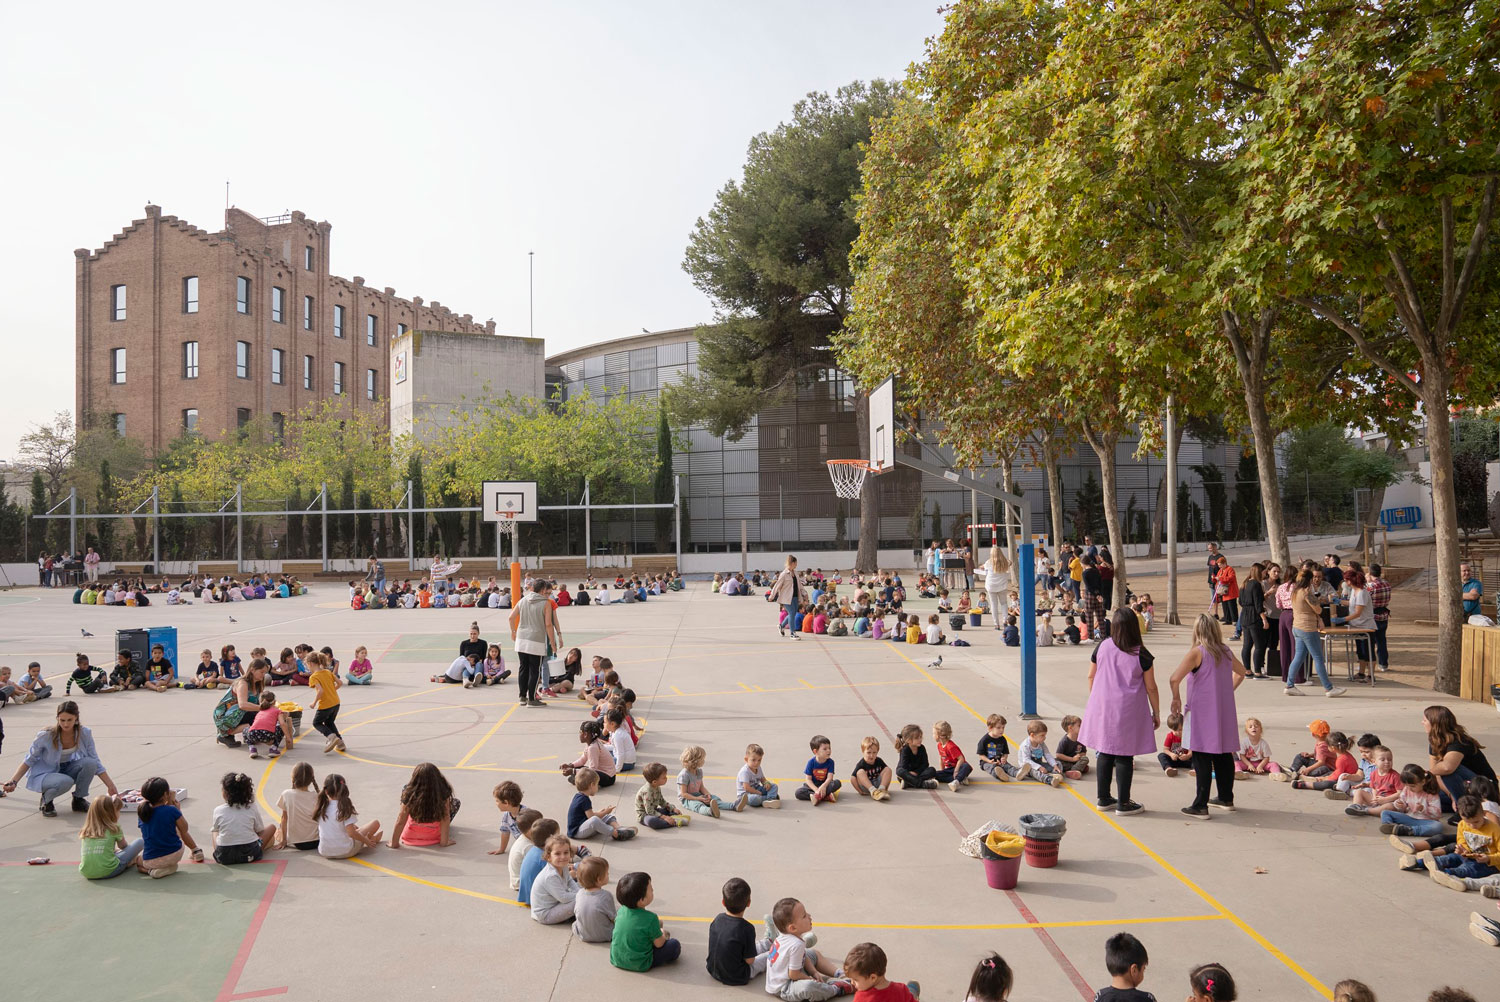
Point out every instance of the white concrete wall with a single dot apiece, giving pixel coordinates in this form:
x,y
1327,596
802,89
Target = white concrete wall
x,y
446,371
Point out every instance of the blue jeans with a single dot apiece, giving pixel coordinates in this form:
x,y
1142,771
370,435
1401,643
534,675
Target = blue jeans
x,y
1459,866
1455,785
791,618
759,799
1309,643
666,953
1420,827
960,773
125,857
474,671
77,774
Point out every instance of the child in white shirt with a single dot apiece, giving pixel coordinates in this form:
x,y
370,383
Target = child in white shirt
x,y
1036,761
620,745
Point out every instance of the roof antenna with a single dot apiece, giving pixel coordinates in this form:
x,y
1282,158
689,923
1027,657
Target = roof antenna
x,y
226,196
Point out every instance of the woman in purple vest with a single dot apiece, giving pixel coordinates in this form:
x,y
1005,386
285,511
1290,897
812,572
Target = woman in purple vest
x,y
1123,710
1213,727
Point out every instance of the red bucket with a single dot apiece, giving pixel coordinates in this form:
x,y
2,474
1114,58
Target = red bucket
x,y
1002,873
1040,853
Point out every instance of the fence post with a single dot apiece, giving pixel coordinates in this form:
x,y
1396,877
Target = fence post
x,y
323,497
588,528
1171,475
239,529
411,551
677,516
156,529
72,521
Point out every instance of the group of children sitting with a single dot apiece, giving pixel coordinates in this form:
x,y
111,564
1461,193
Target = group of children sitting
x,y
439,593
225,589
291,668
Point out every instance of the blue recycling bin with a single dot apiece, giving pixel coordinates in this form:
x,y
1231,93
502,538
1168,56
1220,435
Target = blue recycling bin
x,y
167,637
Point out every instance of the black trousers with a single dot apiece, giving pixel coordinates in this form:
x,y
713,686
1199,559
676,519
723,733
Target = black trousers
x,y
1217,768
915,780
323,722
1120,769
1256,642
531,670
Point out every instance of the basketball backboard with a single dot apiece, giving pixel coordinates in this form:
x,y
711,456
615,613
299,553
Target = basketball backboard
x,y
883,425
513,499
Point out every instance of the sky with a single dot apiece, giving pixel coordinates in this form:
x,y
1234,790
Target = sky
x,y
444,141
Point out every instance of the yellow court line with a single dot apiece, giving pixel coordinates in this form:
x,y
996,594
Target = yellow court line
x,y
745,687
677,691
432,883
1073,924
487,735
394,699
1151,854
539,758
808,685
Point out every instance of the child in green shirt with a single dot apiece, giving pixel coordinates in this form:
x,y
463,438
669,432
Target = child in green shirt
x,y
639,943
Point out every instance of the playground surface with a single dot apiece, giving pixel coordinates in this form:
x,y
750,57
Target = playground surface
x,y
1289,893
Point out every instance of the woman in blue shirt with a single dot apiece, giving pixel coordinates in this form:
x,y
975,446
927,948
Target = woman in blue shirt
x,y
61,758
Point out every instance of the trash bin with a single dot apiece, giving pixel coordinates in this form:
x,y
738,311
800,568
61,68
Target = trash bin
x,y
975,618
1001,873
1043,834
138,643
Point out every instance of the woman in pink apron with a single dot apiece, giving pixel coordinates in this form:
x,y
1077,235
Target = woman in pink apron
x,y
1123,710
1213,727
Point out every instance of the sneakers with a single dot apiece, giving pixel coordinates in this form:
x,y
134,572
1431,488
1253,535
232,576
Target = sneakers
x,y
535,702
1413,861
228,741
1481,929
1391,828
330,745
80,806
1357,811
1220,805
1001,776
771,805
742,802
1335,691
713,808
48,810
874,795
1336,795
1447,879
1107,804
254,751
1055,780
1201,813
1022,771
833,797
469,682
163,871
342,746
1171,770
1490,890
955,786
1281,777
1128,807
622,834
1405,845
929,784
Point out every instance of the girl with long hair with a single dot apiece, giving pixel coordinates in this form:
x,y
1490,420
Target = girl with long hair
x,y
427,807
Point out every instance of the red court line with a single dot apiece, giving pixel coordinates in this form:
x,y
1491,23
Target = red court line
x,y
1072,973
227,993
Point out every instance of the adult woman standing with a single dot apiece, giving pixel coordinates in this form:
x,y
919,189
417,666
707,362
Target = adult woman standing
x,y
1305,622
1254,624
1106,565
1272,611
61,758
239,705
533,626
1123,700
786,592
997,584
1213,724
1454,756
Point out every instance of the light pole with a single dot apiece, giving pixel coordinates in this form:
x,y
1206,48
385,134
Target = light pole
x,y
531,289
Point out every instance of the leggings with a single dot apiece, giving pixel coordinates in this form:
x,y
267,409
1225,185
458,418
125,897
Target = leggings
x,y
1218,767
531,669
1120,768
323,721
1253,650
1286,646
804,792
657,822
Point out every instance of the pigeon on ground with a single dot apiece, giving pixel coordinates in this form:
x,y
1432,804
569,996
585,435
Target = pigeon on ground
x,y
938,663
86,633
233,620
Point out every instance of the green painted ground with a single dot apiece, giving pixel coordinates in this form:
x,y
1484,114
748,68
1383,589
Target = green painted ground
x,y
183,931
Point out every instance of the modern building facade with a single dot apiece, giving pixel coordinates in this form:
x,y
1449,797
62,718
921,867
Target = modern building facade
x,y
436,375
180,330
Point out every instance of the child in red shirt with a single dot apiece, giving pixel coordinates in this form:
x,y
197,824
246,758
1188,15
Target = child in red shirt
x,y
1319,763
1338,745
1176,755
953,769
864,967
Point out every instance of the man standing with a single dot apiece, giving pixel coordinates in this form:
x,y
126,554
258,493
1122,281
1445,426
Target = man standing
x,y
1380,601
1213,570
91,564
1332,572
1472,590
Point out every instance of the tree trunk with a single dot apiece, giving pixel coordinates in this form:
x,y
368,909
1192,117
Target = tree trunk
x,y
1050,455
1159,516
1445,526
1104,447
1252,352
867,557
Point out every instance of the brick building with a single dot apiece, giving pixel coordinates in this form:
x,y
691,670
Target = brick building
x,y
182,330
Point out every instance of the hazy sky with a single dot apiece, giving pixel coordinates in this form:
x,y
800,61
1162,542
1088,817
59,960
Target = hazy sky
x,y
442,140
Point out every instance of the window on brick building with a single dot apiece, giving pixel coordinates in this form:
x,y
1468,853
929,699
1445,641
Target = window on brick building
x,y
307,313
338,378
278,304
307,372
278,361
242,359
190,294
278,425
242,294
241,416
117,302
369,384
117,365
190,360
307,258
338,321
370,328
118,421
190,420
400,329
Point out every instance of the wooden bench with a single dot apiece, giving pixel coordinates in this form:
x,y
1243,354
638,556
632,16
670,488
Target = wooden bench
x,y
653,564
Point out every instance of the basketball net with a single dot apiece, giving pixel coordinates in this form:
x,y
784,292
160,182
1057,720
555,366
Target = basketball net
x,y
848,476
507,525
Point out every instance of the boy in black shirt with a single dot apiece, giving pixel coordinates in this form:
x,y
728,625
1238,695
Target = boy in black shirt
x,y
1071,753
993,752
872,777
1125,960
734,956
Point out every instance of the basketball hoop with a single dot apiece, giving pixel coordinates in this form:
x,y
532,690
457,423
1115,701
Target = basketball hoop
x,y
506,526
849,475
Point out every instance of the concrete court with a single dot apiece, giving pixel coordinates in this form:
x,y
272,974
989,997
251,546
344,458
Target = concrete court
x,y
709,670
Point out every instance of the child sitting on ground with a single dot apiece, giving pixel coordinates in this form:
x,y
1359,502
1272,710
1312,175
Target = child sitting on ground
x,y
596,754
593,906
914,629
954,768
1174,754
1383,788
164,831
361,672
1211,983
285,668
494,670
751,785
554,890
795,972
1318,762
159,676
639,943
651,808
1044,636
508,801
427,808
864,968
541,830
818,779
1417,809
871,777
934,631
912,766
1012,635
1255,752
584,821
1071,753
91,679
993,751
1070,631
238,836
621,746
1344,766
104,853
1125,959
734,954
1037,761
690,789
298,828
991,981
521,845
206,675
1476,852
268,728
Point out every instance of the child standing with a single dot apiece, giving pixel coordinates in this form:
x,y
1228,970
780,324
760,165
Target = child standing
x,y
955,769
1255,751
1125,959
325,683
864,967
164,831
238,836
269,727
690,788
994,751
751,785
554,890
871,777
818,779
340,834
1071,753
583,820
794,972
651,808
912,767
1174,754
593,906
639,943
299,829
1036,760
361,671
101,838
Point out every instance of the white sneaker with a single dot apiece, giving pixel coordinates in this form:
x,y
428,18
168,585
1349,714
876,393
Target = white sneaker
x,y
955,786
1335,691
1291,691
1023,771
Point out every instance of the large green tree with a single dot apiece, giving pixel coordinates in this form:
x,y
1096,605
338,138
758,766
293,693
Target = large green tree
x,y
773,255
